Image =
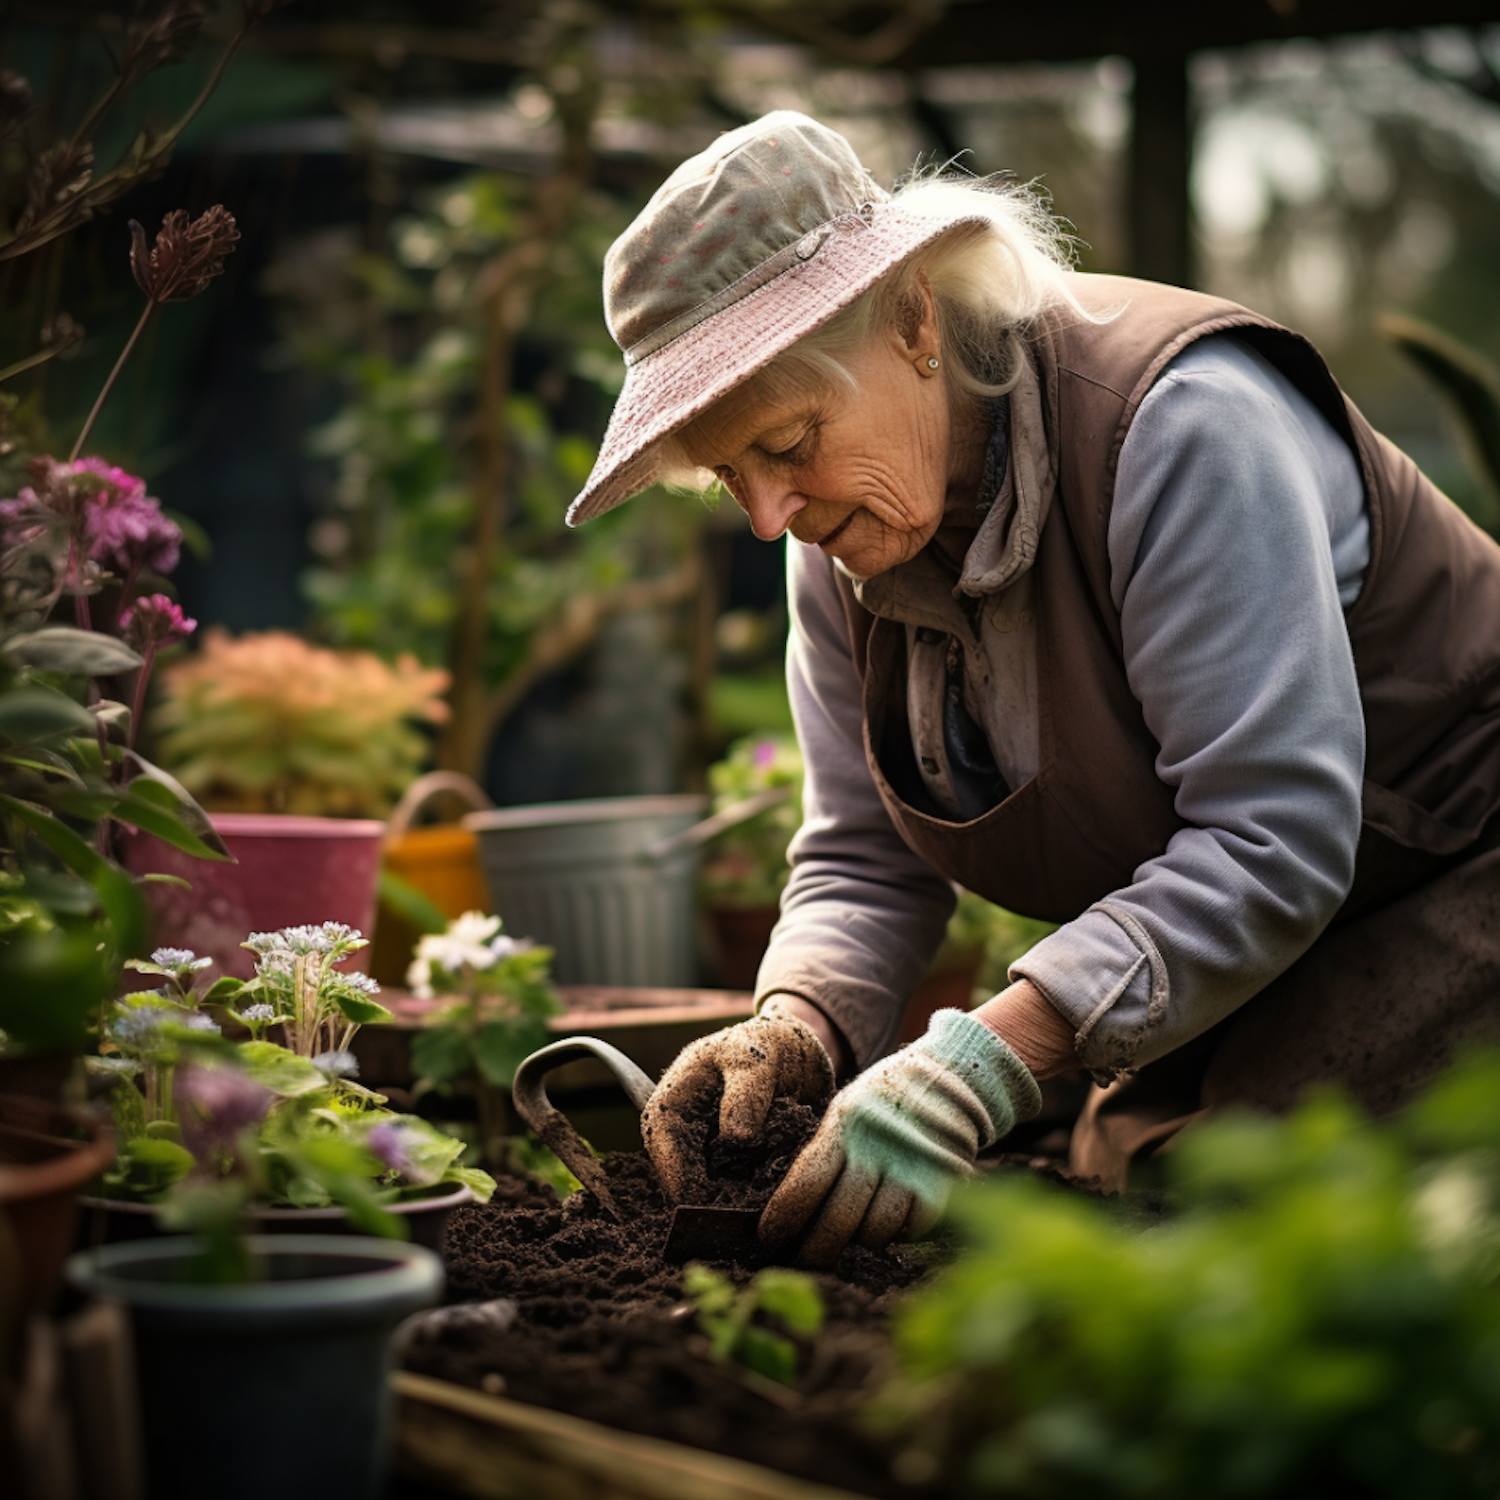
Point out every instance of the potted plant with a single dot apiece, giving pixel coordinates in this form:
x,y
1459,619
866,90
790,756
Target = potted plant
x,y
296,1324
496,996
84,554
741,881
311,1147
300,752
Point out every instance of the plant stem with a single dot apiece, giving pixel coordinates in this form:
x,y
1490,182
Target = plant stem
x,y
113,376
138,704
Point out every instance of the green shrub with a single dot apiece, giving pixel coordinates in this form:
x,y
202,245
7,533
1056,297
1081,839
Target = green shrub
x,y
1316,1311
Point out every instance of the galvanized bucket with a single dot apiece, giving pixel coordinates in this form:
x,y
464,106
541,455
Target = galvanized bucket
x,y
608,883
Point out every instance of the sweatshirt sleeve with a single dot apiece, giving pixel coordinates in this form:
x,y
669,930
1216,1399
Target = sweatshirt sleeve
x,y
1237,535
862,914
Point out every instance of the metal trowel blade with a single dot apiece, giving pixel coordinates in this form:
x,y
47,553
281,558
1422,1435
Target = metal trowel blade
x,y
714,1234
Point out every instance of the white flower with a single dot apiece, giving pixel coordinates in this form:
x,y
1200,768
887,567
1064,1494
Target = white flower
x,y
258,1013
179,958
337,1063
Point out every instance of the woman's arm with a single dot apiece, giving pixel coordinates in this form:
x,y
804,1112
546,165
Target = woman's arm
x,y
862,915
1237,536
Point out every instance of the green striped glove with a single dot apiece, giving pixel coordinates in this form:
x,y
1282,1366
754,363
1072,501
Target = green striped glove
x,y
894,1141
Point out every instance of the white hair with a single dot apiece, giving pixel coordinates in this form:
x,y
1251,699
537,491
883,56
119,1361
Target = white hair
x,y
990,282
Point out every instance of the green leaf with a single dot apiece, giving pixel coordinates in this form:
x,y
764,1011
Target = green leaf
x,y
152,784
768,1354
500,1047
28,714
118,895
280,1070
790,1297
441,1053
52,984
70,652
141,813
360,1009
406,901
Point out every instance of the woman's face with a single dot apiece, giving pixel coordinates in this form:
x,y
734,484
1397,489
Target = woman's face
x,y
861,474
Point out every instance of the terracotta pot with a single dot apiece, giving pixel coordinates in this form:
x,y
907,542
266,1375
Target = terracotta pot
x,y
290,870
112,1221
948,984
44,1161
303,1356
740,935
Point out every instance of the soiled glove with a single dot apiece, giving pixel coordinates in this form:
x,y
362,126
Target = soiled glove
x,y
753,1063
894,1141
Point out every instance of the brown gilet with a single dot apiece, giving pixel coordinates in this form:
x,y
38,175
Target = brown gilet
x,y
1425,633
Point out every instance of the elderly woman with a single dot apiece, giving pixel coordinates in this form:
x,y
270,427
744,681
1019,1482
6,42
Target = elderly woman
x,y
1107,605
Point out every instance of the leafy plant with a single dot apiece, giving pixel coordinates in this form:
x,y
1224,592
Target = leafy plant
x,y
750,1325
269,722
499,995
748,865
451,474
1318,1312
209,1124
86,542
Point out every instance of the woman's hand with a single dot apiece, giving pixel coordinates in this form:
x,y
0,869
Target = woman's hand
x,y
894,1141
774,1055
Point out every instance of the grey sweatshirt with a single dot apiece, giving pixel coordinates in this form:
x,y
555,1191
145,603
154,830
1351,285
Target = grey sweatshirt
x,y
1237,537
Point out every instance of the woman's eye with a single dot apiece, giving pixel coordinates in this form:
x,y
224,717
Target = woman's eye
x,y
800,451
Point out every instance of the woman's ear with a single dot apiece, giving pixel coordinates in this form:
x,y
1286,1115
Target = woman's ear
x,y
916,321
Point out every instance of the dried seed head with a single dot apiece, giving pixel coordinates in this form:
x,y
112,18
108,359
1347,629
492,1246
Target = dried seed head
x,y
187,255
255,11
16,103
60,173
166,37
62,333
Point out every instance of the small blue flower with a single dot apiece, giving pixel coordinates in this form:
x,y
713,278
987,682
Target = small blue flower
x,y
337,1063
179,958
363,983
258,1013
197,1021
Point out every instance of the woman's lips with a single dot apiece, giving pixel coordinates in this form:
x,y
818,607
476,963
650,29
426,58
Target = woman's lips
x,y
838,530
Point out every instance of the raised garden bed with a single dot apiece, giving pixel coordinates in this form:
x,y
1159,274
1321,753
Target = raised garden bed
x,y
602,1335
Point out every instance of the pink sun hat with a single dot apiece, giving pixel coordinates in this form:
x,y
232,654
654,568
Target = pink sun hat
x,y
746,247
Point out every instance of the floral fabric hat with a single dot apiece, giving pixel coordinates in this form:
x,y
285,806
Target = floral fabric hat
x,y
745,248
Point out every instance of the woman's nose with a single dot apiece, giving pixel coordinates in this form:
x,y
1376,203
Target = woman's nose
x,y
770,503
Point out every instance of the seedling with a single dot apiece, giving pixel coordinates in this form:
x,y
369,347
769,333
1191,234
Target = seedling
x,y
740,1322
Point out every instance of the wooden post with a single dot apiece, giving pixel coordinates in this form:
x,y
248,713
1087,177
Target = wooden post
x,y
1158,211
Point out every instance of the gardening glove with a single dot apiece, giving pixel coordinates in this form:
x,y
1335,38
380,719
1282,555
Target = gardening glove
x,y
894,1141
772,1056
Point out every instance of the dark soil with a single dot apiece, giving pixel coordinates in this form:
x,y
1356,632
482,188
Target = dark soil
x,y
602,1331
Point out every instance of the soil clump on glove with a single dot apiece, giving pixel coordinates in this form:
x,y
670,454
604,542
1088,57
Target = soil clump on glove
x,y
602,1331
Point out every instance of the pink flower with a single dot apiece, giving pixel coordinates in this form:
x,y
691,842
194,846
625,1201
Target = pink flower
x,y
154,620
112,519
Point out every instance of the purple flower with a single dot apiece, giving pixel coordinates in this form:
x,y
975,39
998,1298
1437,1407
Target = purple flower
x,y
106,513
214,1106
765,754
388,1141
123,526
154,620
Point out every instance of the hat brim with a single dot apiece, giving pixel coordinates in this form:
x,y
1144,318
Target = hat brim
x,y
682,379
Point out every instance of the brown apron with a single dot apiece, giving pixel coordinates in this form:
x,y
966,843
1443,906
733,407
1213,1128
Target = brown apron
x,y
1379,1004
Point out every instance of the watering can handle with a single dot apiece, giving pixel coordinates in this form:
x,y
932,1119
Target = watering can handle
x,y
730,817
431,785
552,1126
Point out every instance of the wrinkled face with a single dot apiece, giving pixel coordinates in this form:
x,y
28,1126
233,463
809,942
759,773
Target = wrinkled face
x,y
861,474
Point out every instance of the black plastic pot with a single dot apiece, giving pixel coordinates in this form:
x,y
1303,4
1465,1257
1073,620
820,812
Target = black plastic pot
x,y
272,1388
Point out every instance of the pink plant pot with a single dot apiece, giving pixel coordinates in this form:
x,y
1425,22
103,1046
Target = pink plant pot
x,y
290,870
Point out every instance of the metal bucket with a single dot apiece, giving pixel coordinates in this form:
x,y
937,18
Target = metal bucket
x,y
607,883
